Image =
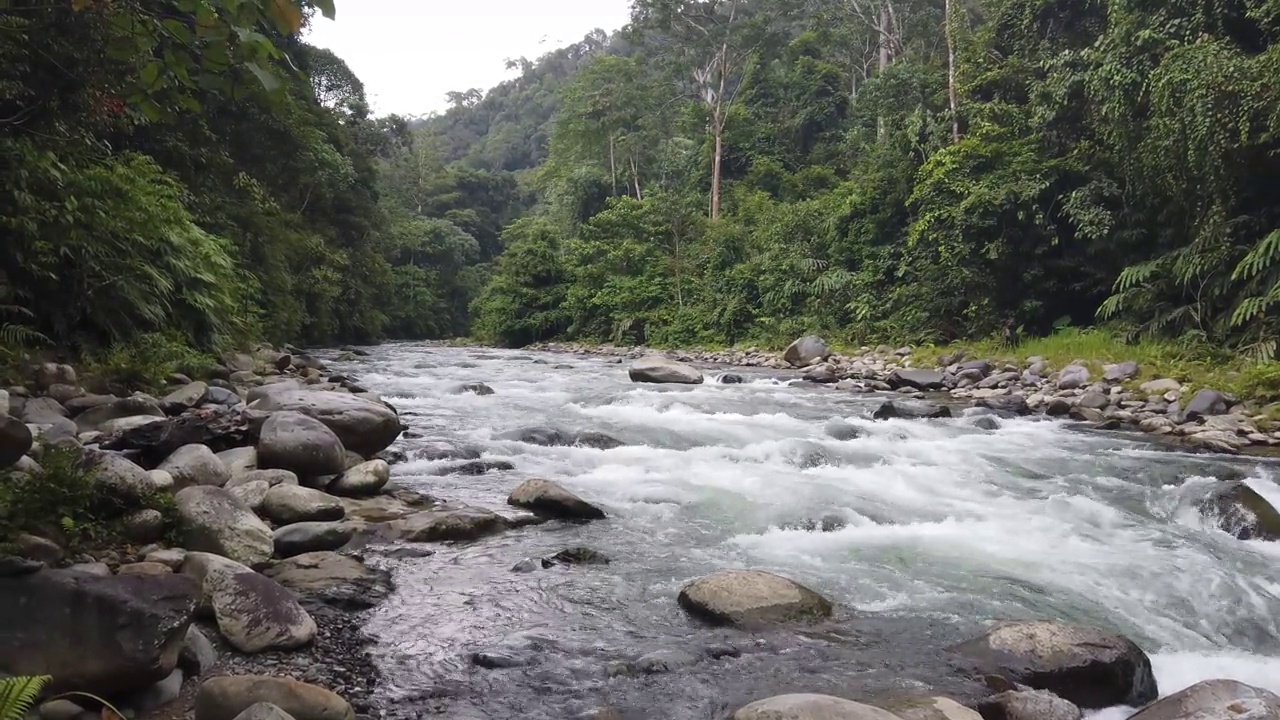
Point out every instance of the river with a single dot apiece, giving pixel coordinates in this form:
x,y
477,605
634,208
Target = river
x,y
946,527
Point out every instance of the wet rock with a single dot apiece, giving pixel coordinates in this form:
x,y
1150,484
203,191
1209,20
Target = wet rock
x,y
729,379
195,465
1239,510
1027,705
332,579
841,430
1057,407
658,369
580,556
198,655
806,351
293,441
1205,403
751,597
224,698
436,450
475,388
529,565
213,520
15,440
544,436
986,422
1217,441
548,498
364,426
911,409
1089,667
1214,700
466,523
305,537
364,479
917,379
254,613
105,635
287,504
810,707
596,440
665,661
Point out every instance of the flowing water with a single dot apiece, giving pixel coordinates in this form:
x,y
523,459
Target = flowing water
x,y
947,527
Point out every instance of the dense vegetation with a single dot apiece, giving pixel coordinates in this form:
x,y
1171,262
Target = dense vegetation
x,y
719,171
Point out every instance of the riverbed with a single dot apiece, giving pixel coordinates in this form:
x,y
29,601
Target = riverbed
x,y
933,529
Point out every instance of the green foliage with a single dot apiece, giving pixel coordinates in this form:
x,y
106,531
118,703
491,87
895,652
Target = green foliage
x,y
145,363
18,695
522,303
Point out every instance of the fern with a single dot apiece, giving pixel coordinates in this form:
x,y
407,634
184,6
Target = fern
x,y
18,694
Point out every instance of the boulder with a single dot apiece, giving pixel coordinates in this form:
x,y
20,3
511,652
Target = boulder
x,y
105,635
185,397
195,465
1120,372
475,388
806,351
363,426
286,504
841,430
224,698
1094,400
252,493
138,405
299,443
264,710
1027,705
810,707
47,411
823,374
465,523
220,428
917,379
215,521
198,566
121,478
169,557
333,579
305,537
143,526
931,708
364,479
1205,403
548,498
254,613
270,477
1006,404
1214,700
15,440
49,374
1161,386
1073,376
911,409
1239,510
198,655
1091,668
751,597
239,460
658,369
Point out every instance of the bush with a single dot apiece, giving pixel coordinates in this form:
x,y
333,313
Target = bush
x,y
146,363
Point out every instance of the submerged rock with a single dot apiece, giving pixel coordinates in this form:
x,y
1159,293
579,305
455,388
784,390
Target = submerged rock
x,y
751,597
911,409
1241,511
1087,666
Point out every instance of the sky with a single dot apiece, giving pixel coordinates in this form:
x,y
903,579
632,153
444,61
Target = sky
x,y
410,53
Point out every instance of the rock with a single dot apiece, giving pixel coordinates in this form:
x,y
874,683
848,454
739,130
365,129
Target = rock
x,y
158,695
1214,700
59,710
96,569
46,411
1217,441
50,374
823,374
751,597
1120,372
264,711
254,613
64,393
37,548
170,557
224,698
1205,403
810,707
1239,510
305,537
1006,404
1094,401
1234,423
195,465
1057,407
931,708
270,477
596,440
917,379
364,479
841,430
186,397
548,498
916,410
239,362
222,396
143,526
1004,378
658,369
198,655
1161,386
104,635
1027,705
333,579
475,388
465,523
15,440
220,428
1089,667
94,418
239,460
729,379
215,521
122,479
293,441
252,493
580,556
986,422
806,351
286,504
1073,376
363,426
244,377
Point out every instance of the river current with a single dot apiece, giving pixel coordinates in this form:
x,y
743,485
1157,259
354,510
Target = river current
x,y
946,527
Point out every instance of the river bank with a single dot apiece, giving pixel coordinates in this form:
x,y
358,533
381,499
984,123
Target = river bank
x,y
885,545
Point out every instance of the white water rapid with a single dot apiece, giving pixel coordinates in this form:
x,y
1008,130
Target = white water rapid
x,y
946,527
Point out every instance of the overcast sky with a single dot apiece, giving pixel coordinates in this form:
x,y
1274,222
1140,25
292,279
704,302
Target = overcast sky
x,y
409,53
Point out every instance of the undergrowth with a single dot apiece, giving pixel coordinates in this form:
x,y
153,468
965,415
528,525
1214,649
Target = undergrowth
x,y
145,363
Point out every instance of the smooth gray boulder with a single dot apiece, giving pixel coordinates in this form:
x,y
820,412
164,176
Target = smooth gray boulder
x,y
15,440
121,478
195,465
1214,700
271,477
264,711
751,597
1027,705
252,493
806,351
661,370
1239,510
213,520
1206,403
917,379
239,460
185,397
807,706
364,426
365,479
137,406
299,443
306,537
548,498
254,613
287,504
224,698
911,410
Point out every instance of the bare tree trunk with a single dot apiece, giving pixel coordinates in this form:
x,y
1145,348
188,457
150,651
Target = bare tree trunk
x,y
635,177
715,171
951,74
882,132
613,164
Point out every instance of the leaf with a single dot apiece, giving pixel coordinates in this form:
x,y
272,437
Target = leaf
x,y
79,5
288,15
325,6
149,74
268,80
18,694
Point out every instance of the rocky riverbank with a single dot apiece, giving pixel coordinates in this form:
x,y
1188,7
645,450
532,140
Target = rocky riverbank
x,y
1115,399
244,522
